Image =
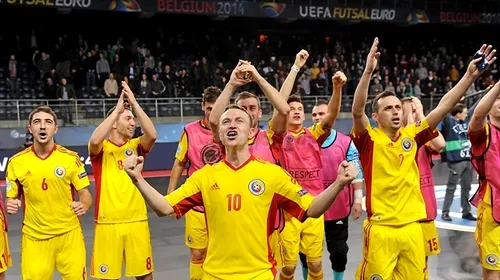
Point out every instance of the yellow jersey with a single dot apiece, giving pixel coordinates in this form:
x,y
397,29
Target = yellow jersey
x,y
46,187
392,178
240,208
117,199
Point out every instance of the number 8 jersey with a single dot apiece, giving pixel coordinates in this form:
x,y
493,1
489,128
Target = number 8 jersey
x,y
117,200
46,187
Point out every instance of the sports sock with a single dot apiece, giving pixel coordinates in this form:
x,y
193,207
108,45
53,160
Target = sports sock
x,y
285,277
304,273
338,275
315,276
195,270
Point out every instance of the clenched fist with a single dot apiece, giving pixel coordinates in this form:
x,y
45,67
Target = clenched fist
x,y
301,58
339,79
346,173
133,166
13,205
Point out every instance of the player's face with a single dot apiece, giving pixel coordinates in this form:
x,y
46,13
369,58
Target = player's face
x,y
252,107
319,112
125,125
296,115
207,109
389,113
234,128
43,127
408,109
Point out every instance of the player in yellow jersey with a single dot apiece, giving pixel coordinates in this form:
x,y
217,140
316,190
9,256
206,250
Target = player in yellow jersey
x,y
43,179
122,231
196,147
393,238
241,196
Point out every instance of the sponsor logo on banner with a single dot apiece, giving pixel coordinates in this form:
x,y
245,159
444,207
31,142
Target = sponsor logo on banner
x,y
124,6
321,12
273,10
50,3
221,8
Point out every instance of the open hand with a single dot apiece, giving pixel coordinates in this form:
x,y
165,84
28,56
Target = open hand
x,y
372,58
479,64
128,93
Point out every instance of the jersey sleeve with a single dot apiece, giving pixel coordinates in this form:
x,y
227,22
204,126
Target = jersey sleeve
x,y
363,141
187,196
136,144
12,181
291,196
182,148
479,140
319,134
353,156
273,138
79,178
421,132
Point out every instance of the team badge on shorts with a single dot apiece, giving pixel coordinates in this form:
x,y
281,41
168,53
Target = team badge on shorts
x,y
59,171
407,144
103,269
129,152
189,239
492,259
376,277
256,187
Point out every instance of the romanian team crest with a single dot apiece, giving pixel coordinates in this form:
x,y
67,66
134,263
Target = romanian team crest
x,y
129,152
407,144
289,139
256,187
492,259
376,277
189,239
103,269
211,153
8,185
60,172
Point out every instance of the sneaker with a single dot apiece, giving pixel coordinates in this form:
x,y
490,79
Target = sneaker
x,y
469,217
446,217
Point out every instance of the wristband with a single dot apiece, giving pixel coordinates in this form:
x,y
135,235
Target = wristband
x,y
295,68
358,196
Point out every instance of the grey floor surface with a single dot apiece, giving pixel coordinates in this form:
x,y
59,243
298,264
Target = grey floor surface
x,y
172,258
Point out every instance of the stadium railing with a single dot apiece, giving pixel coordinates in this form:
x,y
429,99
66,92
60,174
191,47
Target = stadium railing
x,y
160,109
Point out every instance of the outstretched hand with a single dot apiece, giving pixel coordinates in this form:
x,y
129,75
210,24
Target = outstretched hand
x,y
483,58
372,58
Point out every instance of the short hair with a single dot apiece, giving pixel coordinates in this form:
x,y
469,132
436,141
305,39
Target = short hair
x,y
459,108
110,111
294,98
210,94
238,107
321,102
379,96
246,95
44,109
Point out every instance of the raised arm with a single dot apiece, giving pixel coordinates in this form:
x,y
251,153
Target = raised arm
x,y
288,85
149,137
102,131
360,119
179,163
436,144
338,80
450,99
478,119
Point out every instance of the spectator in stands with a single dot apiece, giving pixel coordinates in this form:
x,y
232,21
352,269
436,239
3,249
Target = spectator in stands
x,y
52,75
88,66
50,89
44,64
13,78
63,68
102,69
417,90
376,88
111,86
130,85
117,68
390,87
130,71
66,93
157,87
168,79
305,84
144,87
453,74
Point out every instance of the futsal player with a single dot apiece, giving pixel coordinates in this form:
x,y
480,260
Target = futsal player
x,y
337,148
121,219
300,154
241,195
485,141
413,111
393,239
196,147
42,179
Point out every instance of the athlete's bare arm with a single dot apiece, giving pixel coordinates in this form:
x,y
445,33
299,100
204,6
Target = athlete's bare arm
x,y
478,120
175,175
84,202
287,87
359,118
149,137
102,131
224,99
451,98
328,121
436,144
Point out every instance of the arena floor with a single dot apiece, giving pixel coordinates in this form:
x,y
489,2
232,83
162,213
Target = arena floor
x,y
171,256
